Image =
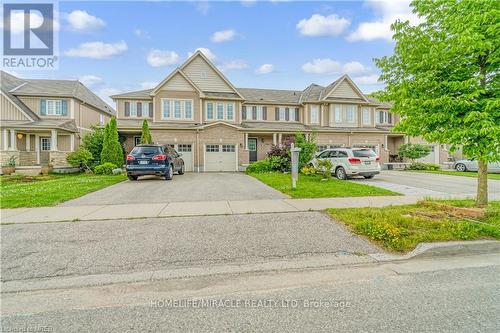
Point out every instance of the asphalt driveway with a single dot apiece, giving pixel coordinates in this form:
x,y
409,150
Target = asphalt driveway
x,y
417,183
188,187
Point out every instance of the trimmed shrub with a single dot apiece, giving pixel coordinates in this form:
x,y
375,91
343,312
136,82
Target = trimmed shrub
x,y
105,169
80,158
424,166
325,168
112,151
93,142
145,133
308,170
260,166
413,151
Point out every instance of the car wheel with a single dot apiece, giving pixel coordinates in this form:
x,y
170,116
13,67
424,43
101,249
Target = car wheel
x,y
132,177
369,177
181,171
460,167
340,173
170,173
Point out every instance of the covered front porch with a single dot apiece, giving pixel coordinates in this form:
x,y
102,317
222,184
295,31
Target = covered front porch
x,y
31,147
258,144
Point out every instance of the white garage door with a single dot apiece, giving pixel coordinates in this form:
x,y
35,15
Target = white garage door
x,y
220,157
187,154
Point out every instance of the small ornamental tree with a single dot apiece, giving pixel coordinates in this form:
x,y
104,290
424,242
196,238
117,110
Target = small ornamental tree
x,y
112,151
414,151
93,142
308,147
443,78
145,133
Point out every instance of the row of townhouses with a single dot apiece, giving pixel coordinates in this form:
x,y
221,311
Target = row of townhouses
x,y
197,110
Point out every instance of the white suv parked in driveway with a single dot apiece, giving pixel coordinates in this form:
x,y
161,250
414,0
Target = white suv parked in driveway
x,y
349,162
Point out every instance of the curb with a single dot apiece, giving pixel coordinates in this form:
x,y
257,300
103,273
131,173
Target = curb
x,y
444,249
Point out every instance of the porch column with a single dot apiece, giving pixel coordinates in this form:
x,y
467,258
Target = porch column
x,y
279,138
274,139
28,142
245,145
13,140
53,140
386,141
37,148
72,142
5,139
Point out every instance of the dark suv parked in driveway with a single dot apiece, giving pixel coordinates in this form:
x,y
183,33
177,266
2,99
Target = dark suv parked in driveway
x,y
155,160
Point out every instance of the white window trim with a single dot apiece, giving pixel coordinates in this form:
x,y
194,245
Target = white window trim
x,y
171,102
215,111
226,108
316,109
42,139
366,111
385,117
54,102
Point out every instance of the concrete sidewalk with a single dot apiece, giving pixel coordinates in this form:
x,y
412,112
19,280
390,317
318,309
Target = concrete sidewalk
x,y
199,208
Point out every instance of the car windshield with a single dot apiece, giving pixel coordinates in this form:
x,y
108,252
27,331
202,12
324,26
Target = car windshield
x,y
146,150
363,153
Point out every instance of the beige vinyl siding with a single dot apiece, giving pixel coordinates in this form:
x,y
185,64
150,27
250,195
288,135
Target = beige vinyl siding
x,y
120,107
205,78
33,103
9,111
344,90
63,143
179,83
194,96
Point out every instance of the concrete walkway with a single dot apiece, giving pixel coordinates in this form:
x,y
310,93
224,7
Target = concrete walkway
x,y
198,208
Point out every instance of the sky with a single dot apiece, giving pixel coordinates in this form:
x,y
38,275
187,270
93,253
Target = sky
x,y
119,46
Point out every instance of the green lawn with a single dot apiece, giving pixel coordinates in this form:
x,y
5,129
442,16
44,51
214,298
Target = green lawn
x,y
401,228
457,173
313,187
36,191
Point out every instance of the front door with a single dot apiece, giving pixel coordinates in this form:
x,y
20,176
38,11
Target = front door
x,y
252,149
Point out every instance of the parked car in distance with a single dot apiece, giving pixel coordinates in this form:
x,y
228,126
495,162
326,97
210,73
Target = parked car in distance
x,y
472,165
350,162
152,159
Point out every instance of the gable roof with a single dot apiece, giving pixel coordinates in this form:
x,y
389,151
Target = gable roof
x,y
52,88
134,94
172,75
199,54
334,85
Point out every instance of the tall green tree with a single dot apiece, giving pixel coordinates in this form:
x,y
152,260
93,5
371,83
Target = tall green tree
x,y
145,133
93,142
443,78
112,151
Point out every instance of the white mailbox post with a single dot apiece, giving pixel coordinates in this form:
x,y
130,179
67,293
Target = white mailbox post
x,y
295,164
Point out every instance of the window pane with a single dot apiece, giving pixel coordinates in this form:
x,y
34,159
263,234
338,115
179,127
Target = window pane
x,y
338,114
166,108
282,113
220,111
184,148
228,148
366,116
177,109
259,112
363,153
314,115
212,148
210,111
188,109
230,111
133,109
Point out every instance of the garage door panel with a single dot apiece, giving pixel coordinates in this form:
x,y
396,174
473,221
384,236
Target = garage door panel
x,y
220,157
186,149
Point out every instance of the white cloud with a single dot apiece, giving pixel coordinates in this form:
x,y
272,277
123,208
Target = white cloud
x,y
82,21
206,52
388,12
319,25
142,34
202,6
366,79
90,80
148,85
328,66
17,22
233,65
97,50
248,3
223,36
157,58
265,69
105,92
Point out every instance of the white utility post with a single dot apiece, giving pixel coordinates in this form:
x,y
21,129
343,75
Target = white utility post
x,y
295,164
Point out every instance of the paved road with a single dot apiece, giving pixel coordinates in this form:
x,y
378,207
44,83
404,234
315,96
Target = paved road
x,y
188,187
419,297
80,248
415,183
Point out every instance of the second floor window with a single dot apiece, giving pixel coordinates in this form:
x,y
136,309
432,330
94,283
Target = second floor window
x,y
314,114
133,109
219,111
350,113
177,109
101,119
384,117
138,109
366,116
53,107
338,113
